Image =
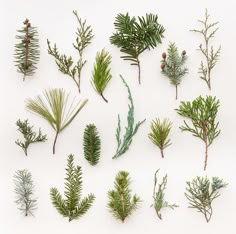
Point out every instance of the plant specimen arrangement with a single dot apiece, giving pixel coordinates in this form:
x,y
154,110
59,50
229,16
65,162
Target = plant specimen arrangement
x,y
66,63
130,130
27,50
159,196
92,144
133,36
172,66
24,190
55,109
202,112
121,203
159,134
201,192
210,54
29,135
72,206
101,74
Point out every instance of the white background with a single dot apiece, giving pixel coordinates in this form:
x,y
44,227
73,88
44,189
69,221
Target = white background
x,y
154,98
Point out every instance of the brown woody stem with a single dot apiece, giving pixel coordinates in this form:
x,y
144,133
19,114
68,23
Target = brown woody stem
x,y
54,143
104,98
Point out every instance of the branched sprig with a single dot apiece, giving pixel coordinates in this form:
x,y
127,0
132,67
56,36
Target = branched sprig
x,y
29,135
201,192
121,203
172,66
202,112
24,190
159,196
92,144
211,55
159,134
72,206
27,50
101,74
135,35
65,63
130,130
55,109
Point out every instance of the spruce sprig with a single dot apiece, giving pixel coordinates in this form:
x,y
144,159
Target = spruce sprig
x,y
202,112
172,66
92,144
72,206
27,50
201,192
131,128
121,203
135,35
29,135
159,134
101,74
66,63
210,54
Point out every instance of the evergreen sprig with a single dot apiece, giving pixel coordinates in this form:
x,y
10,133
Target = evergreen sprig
x,y
130,130
202,112
201,192
159,196
29,135
92,144
27,50
210,54
55,109
24,190
172,66
121,203
66,63
101,74
159,134
135,35
72,206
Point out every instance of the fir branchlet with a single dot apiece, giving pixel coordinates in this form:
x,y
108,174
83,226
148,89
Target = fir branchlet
x,y
202,112
159,196
159,134
121,203
72,206
55,109
135,35
101,74
92,144
27,50
210,54
130,130
201,192
29,135
172,66
24,190
65,63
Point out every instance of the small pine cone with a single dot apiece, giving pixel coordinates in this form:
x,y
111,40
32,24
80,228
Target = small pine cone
x,y
164,55
184,52
26,21
163,66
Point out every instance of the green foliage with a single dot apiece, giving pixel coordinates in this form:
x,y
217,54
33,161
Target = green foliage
x,y
134,36
210,54
55,109
130,130
65,63
121,203
202,112
24,190
201,192
72,206
159,196
172,65
101,74
92,144
27,50
159,134
29,135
